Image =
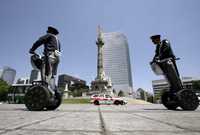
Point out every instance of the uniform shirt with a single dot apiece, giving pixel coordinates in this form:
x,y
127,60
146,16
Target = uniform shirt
x,y
50,42
164,50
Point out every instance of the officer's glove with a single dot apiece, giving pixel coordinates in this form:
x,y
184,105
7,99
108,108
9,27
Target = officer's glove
x,y
31,52
156,59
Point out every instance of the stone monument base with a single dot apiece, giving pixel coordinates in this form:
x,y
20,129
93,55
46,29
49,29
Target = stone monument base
x,y
101,86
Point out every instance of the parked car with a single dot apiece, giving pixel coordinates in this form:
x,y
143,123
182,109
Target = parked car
x,y
99,99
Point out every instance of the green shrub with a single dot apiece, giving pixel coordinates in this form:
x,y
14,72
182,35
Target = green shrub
x,y
4,87
76,101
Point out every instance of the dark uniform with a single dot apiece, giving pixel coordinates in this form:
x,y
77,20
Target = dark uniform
x,y
51,55
164,51
51,43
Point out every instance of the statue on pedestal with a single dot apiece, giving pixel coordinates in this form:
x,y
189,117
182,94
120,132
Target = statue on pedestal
x,y
101,84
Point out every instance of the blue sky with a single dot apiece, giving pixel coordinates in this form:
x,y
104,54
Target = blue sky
x,y
23,21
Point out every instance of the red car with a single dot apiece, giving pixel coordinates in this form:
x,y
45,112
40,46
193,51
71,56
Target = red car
x,y
106,99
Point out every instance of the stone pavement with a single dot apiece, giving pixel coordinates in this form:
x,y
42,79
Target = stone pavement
x,y
99,120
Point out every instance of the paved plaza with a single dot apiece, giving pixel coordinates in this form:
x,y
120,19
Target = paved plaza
x,y
88,119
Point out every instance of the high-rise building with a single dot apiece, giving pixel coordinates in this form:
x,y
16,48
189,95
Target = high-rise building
x,y
8,74
117,61
34,75
1,72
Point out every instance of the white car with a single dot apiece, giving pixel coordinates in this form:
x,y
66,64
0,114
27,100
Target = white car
x,y
98,99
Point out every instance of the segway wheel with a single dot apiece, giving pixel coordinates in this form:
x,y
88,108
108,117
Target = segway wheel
x,y
36,98
188,100
56,101
169,100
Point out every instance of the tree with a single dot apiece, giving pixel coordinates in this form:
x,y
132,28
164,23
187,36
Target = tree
x,y
4,87
142,93
77,89
121,93
150,98
158,95
196,85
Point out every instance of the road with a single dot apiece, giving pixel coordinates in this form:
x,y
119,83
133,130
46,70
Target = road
x,y
88,119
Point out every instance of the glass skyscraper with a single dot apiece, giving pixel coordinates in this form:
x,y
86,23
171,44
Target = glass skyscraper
x,y
117,61
8,74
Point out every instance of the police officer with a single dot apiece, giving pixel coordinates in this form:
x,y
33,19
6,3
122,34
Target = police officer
x,y
163,50
51,53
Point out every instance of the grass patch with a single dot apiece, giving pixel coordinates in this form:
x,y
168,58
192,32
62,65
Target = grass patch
x,y
76,101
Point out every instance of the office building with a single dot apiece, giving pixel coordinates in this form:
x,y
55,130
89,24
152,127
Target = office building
x,y
34,75
65,79
8,74
117,64
68,84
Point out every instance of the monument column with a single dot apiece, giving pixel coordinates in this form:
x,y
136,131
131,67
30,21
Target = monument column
x,y
100,43
100,84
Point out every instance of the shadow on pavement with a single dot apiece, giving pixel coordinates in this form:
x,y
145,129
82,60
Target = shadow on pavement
x,y
162,109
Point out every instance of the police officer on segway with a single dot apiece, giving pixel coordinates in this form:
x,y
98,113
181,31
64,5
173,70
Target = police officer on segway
x,y
164,62
44,93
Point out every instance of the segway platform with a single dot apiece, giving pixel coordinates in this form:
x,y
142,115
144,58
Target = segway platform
x,y
177,96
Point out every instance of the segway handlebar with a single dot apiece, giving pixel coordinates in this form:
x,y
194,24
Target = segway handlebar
x,y
164,60
155,65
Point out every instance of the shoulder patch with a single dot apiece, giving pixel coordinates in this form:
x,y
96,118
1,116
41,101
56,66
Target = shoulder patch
x,y
166,42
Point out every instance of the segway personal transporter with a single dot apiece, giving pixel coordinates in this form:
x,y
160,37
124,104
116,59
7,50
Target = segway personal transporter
x,y
176,96
39,97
